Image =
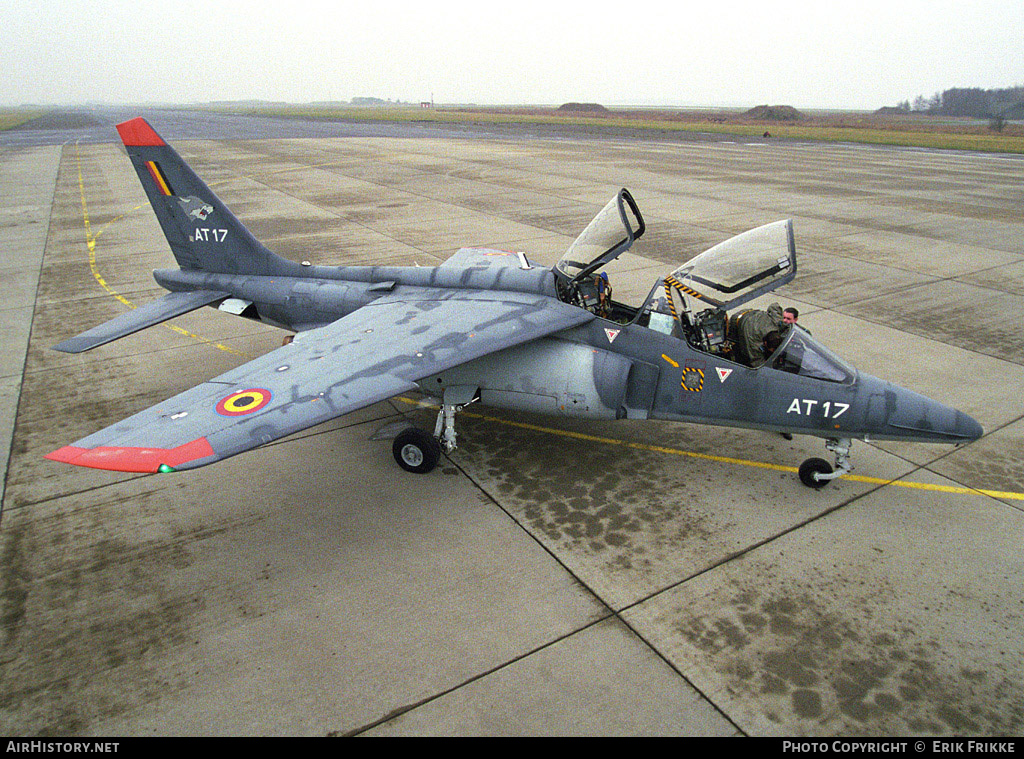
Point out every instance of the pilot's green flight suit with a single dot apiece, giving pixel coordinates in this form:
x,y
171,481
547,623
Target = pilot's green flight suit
x,y
748,329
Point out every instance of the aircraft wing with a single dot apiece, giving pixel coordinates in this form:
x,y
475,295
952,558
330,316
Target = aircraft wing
x,y
365,357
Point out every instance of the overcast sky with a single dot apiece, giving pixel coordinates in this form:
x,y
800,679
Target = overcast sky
x,y
862,54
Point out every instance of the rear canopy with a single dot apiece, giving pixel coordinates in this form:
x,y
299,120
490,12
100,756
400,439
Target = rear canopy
x,y
741,268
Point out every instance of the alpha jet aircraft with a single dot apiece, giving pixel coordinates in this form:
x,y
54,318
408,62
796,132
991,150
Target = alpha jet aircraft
x,y
487,326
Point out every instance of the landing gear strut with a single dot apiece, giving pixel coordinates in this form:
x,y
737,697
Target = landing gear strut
x,y
817,473
444,429
455,398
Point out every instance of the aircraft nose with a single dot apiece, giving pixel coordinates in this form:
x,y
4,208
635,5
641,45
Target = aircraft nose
x,y
910,416
968,427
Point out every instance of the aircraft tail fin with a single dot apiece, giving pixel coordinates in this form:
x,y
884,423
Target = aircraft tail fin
x,y
202,233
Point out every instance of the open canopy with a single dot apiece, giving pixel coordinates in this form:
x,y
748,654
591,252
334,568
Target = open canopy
x,y
607,237
741,268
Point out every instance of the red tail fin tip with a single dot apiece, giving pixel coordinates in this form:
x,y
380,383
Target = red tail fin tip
x,y
138,132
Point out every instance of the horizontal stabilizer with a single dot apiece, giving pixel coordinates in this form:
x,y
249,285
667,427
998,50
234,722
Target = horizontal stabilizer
x,y
167,307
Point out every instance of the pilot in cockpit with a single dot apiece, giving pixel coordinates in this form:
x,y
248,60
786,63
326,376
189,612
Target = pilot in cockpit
x,y
750,329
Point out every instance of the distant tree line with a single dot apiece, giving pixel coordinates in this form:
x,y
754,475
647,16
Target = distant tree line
x,y
968,101
374,101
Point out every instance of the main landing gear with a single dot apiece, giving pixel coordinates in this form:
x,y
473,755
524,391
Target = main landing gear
x,y
817,473
417,450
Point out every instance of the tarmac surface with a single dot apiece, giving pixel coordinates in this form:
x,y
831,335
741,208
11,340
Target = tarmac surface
x,y
550,576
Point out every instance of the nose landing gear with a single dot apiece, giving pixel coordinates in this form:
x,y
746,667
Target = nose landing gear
x,y
817,473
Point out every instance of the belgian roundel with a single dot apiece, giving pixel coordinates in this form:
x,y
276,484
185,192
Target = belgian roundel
x,y
244,402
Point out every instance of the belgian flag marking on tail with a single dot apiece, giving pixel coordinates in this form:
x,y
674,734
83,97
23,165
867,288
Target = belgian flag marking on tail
x,y
192,217
158,176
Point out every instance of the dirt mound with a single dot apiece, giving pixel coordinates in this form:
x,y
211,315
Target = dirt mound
x,y
583,108
62,119
773,113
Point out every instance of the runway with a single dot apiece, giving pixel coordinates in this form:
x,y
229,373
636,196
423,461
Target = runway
x,y
551,577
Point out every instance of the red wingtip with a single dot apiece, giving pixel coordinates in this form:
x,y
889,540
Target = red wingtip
x,y
66,455
132,459
138,132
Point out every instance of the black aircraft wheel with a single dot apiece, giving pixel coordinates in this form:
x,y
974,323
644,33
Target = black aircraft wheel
x,y
812,467
416,450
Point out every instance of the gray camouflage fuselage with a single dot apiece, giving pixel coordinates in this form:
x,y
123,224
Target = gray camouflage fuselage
x,y
585,372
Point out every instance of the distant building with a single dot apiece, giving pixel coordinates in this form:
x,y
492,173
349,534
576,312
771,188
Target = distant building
x,y
426,104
